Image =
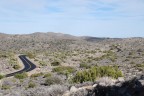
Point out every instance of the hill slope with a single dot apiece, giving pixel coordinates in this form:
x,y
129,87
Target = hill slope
x,y
61,57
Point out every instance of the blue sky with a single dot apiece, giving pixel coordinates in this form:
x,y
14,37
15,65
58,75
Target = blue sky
x,y
100,18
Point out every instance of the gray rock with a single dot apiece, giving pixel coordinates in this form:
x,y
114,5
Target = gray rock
x,y
94,85
121,79
73,89
118,84
142,82
102,84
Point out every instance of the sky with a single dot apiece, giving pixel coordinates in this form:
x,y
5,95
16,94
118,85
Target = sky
x,y
98,18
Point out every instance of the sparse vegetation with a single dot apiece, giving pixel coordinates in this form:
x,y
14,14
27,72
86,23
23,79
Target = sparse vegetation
x,y
42,63
30,55
16,67
5,87
1,76
140,67
68,61
2,55
64,69
52,80
95,72
21,76
36,75
55,63
83,65
31,85
47,75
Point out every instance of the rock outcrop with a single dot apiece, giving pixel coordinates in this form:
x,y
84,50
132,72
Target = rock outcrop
x,y
109,87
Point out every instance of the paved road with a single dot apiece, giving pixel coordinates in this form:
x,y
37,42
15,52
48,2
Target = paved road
x,y
28,66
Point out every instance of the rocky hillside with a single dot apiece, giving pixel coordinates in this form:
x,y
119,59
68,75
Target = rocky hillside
x,y
63,61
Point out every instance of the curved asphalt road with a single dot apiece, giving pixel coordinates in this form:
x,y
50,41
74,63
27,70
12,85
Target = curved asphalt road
x,y
28,66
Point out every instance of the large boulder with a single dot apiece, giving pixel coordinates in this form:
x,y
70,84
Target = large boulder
x,y
133,87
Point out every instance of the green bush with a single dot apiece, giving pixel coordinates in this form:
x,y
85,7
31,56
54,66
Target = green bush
x,y
63,69
16,67
94,72
108,55
21,76
30,55
31,85
36,75
1,76
42,63
5,87
13,61
52,80
47,75
83,65
55,63
3,55
139,65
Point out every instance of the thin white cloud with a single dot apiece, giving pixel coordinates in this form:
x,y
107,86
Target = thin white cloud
x,y
131,7
74,8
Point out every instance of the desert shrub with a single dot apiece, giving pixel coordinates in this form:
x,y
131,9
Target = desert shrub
x,y
139,50
3,55
1,76
83,65
55,63
140,67
36,75
108,55
63,69
16,67
13,62
132,62
52,80
47,75
94,72
127,59
21,76
42,63
5,87
113,59
30,55
31,85
131,53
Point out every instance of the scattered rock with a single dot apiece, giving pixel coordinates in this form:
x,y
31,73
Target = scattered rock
x,y
94,85
106,81
67,93
121,79
141,82
73,89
